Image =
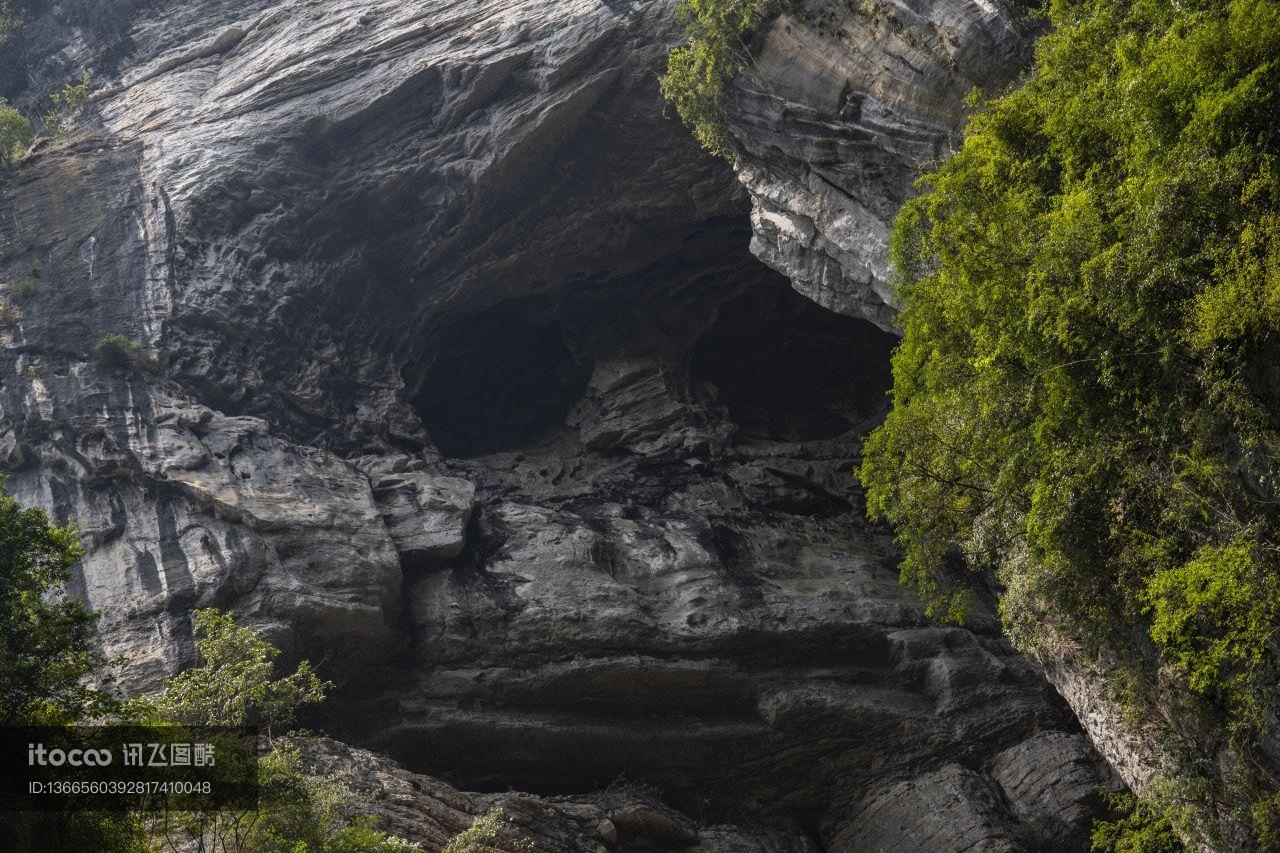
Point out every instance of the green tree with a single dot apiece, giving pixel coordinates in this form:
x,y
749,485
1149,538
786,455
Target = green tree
x,y
46,637
1086,401
719,33
233,683
15,134
69,102
47,655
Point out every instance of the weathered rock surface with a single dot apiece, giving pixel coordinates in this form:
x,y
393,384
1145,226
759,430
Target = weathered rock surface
x,y
623,818
469,390
846,103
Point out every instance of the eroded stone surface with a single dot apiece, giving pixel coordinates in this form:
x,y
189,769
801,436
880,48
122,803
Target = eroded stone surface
x,y
846,104
623,818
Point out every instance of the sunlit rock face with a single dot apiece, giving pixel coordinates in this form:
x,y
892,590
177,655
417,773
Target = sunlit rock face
x,y
847,102
470,390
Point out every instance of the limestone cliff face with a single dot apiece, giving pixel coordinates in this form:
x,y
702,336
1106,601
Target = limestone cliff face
x,y
846,104
469,389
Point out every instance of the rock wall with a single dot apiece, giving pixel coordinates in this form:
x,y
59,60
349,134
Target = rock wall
x,y
846,103
468,389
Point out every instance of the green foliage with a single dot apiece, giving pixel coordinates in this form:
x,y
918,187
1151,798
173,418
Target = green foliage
x,y
73,97
311,812
10,314
234,682
116,351
483,836
24,288
1215,617
46,637
1087,398
15,135
99,831
719,34
1137,828
46,654
69,103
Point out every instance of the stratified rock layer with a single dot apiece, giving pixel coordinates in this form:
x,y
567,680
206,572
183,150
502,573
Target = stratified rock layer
x,y
845,104
468,389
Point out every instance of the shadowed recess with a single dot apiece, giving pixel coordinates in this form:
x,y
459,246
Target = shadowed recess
x,y
790,370
499,383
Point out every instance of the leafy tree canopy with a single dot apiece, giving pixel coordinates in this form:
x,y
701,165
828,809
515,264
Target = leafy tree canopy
x,y
15,134
1087,392
233,683
46,638
46,656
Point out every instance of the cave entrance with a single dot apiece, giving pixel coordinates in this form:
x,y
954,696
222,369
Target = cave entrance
x,y
789,370
498,383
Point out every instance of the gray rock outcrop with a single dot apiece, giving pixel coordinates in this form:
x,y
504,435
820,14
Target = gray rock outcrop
x,y
844,106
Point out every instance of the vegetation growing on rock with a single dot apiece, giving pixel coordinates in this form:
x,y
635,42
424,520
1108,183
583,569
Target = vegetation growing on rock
x,y
116,351
719,34
1138,828
47,655
69,102
235,684
1086,399
484,835
15,135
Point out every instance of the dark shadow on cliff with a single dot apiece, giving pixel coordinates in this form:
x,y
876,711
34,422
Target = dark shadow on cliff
x,y
497,383
790,370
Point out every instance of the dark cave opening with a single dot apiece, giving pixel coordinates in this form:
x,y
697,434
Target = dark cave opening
x,y
789,370
499,382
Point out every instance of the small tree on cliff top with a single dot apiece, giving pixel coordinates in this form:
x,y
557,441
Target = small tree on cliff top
x,y
697,73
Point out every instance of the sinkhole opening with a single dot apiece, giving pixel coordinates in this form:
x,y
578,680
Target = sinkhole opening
x,y
499,382
789,370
